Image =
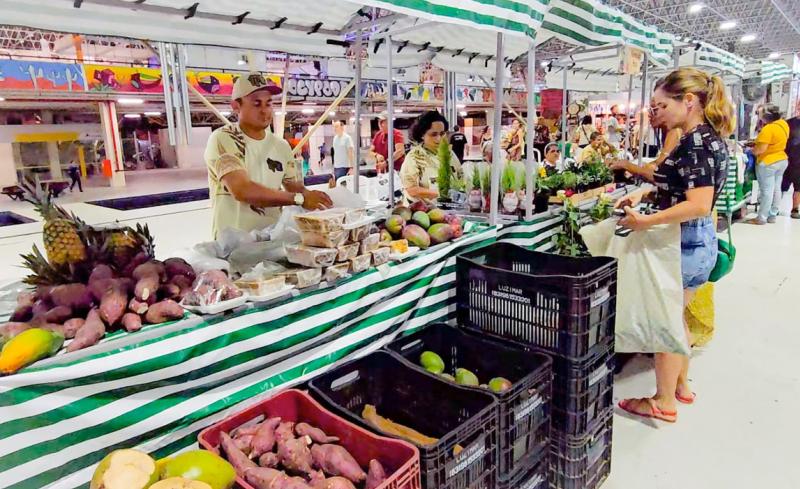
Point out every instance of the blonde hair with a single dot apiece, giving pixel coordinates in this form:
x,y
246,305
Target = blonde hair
x,y
709,89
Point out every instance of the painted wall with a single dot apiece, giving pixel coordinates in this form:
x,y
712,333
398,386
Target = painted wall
x,y
8,175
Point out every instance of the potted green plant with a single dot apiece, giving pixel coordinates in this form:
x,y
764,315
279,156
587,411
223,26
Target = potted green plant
x,y
445,170
569,182
508,182
486,187
475,199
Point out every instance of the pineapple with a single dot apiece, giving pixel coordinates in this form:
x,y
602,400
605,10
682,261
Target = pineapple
x,y
42,272
61,233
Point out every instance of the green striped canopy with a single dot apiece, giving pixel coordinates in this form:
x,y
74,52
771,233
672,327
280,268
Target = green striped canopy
x,y
713,57
768,72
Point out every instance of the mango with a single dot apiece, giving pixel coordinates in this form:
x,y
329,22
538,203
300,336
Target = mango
x,y
125,469
440,233
403,212
417,236
456,224
437,216
465,377
419,206
432,362
28,347
395,224
499,384
180,483
447,377
386,236
203,466
421,219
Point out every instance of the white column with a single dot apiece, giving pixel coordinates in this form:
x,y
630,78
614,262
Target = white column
x,y
357,88
53,156
8,167
390,113
531,168
113,143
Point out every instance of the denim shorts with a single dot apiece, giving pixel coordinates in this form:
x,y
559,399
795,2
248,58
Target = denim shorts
x,y
698,251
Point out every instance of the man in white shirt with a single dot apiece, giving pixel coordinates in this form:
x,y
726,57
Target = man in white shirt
x,y
613,128
344,152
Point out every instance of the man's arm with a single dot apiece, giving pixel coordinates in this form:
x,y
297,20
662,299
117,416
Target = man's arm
x,y
312,199
249,192
399,151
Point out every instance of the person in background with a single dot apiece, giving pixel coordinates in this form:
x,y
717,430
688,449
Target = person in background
x,y
514,141
552,161
344,151
791,178
596,151
486,137
380,151
74,175
771,163
614,130
687,185
252,173
458,141
583,132
421,167
541,136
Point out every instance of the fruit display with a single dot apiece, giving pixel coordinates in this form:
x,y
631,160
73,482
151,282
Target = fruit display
x,y
434,364
421,227
132,469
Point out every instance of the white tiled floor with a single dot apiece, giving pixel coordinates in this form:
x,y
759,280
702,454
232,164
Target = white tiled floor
x,y
741,434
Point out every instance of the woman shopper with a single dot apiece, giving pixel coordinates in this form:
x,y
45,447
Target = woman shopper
x,y
582,134
421,166
771,162
687,184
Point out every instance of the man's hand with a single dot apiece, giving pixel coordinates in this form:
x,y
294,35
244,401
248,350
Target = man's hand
x,y
315,200
631,200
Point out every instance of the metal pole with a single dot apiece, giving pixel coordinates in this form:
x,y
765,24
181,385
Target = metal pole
x,y
531,169
357,88
184,81
564,116
390,115
641,110
628,134
497,162
162,56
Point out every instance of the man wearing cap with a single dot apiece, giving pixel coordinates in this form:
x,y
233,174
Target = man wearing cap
x,y
380,145
252,172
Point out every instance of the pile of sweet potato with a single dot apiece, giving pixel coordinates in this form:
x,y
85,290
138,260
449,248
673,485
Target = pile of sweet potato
x,y
146,293
277,454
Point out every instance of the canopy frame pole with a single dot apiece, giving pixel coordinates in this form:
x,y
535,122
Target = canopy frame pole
x,y
628,133
165,81
182,56
497,162
357,163
641,109
531,167
564,96
390,117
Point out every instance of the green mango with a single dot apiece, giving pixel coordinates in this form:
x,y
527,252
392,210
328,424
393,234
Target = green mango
x,y
465,377
499,384
431,362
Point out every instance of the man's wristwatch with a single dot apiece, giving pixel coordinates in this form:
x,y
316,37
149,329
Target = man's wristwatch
x,y
299,199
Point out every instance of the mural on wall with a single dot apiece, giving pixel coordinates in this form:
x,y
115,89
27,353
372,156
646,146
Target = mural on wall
x,y
38,75
218,84
123,79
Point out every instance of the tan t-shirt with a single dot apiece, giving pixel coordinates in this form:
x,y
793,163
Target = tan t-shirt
x,y
268,161
421,168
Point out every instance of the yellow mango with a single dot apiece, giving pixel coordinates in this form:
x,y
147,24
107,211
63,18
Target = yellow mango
x,y
28,347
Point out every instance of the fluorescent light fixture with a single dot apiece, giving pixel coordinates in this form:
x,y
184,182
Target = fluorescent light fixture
x,y
132,116
308,111
332,113
543,64
153,113
226,113
727,25
463,113
398,111
748,38
622,106
461,106
130,101
771,56
696,8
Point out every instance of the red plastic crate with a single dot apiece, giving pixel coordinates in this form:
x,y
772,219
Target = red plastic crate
x,y
400,459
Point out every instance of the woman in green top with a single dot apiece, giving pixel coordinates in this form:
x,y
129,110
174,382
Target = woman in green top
x,y
421,166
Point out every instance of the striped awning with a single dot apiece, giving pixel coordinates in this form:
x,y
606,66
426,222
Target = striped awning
x,y
710,56
768,72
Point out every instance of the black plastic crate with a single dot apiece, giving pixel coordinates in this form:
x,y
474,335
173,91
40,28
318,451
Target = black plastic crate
x,y
465,421
524,409
579,383
577,423
535,478
561,304
582,463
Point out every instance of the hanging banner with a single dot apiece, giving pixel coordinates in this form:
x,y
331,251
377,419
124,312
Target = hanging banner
x,y
631,62
123,79
38,75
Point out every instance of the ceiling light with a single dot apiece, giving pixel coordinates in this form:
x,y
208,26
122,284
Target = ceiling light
x,y
1,99
242,61
727,25
132,116
225,112
156,114
774,55
308,111
696,8
461,106
748,38
130,101
463,113
332,113
543,64
398,111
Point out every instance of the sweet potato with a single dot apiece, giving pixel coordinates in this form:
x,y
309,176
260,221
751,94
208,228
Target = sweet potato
x,y
137,260
22,313
54,328
152,267
295,483
146,287
58,314
26,298
264,438
316,434
336,460
101,271
333,483
263,477
295,455
182,281
12,329
179,266
41,307
163,311
43,292
245,444
72,326
376,475
75,296
113,305
246,430
98,288
138,307
269,459
169,291
90,333
284,431
131,322
236,457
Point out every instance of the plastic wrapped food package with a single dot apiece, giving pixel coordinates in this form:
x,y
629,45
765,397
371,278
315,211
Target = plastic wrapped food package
x,y
324,240
308,256
337,272
354,215
211,288
380,256
347,252
359,233
370,243
360,263
261,287
321,221
302,277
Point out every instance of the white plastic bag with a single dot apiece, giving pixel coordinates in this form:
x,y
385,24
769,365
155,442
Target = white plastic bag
x,y
649,286
285,229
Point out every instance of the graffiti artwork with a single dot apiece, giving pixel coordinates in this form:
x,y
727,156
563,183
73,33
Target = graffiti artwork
x,y
123,79
37,75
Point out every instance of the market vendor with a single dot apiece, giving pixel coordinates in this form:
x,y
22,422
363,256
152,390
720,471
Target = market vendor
x,y
252,173
597,150
421,166
380,146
